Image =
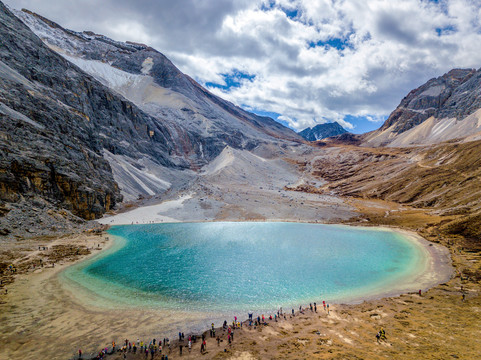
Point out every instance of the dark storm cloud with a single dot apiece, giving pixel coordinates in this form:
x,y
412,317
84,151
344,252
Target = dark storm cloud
x,y
391,26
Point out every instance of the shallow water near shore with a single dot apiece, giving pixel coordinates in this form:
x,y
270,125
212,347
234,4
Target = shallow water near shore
x,y
217,267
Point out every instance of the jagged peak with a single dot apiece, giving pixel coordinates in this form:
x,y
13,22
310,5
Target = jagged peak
x,y
322,131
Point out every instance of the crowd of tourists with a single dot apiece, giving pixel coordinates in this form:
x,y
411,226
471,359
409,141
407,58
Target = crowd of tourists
x,y
164,348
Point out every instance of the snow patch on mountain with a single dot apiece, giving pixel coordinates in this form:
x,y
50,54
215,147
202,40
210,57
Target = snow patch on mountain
x,y
5,110
140,89
106,74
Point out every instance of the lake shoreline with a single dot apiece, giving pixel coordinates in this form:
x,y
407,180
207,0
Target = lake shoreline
x,y
433,267
46,286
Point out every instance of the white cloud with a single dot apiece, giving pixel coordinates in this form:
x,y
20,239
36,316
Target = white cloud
x,y
391,47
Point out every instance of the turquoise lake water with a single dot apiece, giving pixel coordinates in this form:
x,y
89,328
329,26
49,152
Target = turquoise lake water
x,y
244,266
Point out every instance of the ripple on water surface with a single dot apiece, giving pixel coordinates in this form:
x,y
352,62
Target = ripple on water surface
x,y
220,266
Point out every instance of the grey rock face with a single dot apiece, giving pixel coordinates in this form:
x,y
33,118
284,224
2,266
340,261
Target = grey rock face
x,y
202,127
456,94
322,131
67,139
56,122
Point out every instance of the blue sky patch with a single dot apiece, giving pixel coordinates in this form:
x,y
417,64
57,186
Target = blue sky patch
x,y
362,123
336,43
291,14
446,30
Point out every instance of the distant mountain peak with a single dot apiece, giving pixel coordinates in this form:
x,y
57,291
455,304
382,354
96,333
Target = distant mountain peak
x,y
322,131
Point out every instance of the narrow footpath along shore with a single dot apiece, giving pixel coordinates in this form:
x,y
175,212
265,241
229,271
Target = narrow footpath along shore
x,y
40,319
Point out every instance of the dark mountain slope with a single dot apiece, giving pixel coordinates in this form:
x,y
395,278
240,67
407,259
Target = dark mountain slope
x,y
322,131
72,141
55,123
222,117
455,94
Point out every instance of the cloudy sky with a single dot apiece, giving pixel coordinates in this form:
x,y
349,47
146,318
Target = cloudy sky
x,y
300,61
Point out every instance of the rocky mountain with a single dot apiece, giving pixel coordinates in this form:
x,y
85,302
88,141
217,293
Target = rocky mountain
x,y
102,122
322,131
444,108
201,123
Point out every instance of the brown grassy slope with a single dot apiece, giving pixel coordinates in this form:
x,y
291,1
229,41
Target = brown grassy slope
x,y
445,179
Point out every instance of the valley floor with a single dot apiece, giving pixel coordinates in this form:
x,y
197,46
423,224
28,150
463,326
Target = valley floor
x,y
41,319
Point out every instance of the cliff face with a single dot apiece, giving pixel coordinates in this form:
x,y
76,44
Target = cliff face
x,y
195,124
55,124
322,131
442,97
150,80
97,121
442,109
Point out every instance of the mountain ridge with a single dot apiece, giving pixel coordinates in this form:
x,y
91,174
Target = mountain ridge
x,y
322,131
89,46
444,108
76,148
